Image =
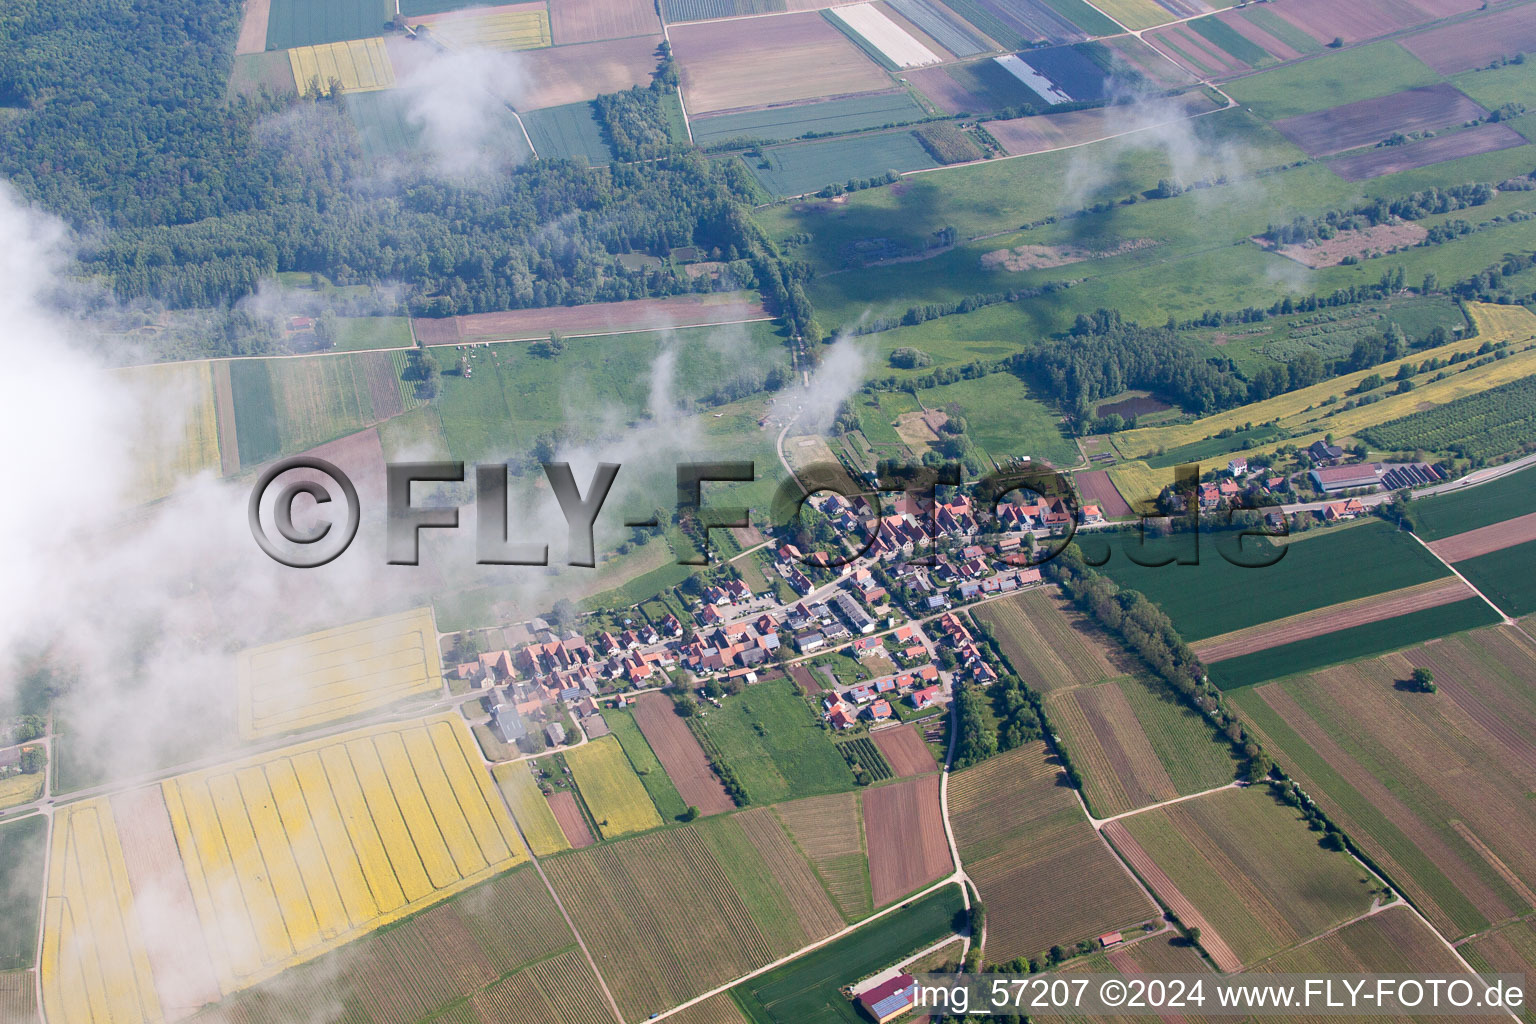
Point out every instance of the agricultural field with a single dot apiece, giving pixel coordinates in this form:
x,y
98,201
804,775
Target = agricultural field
x,y
586,21
1044,874
529,809
1372,753
518,26
1244,869
891,46
801,167
365,332
18,997
673,913
773,742
20,789
829,830
1017,24
652,775
1353,642
680,754
1391,942
169,450
905,830
1005,419
1096,488
807,990
904,750
1216,596
360,65
446,963
1136,743
1050,645
21,884
285,405
1486,138
1488,425
571,132
942,26
287,855
1446,515
334,674
1474,42
1510,949
977,87
778,124
611,789
1367,122
777,59
866,760
1135,14
1346,76
297,23
1487,539
1506,576
573,823
592,320
579,72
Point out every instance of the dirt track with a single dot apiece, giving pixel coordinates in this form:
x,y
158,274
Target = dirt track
x,y
1487,538
1332,619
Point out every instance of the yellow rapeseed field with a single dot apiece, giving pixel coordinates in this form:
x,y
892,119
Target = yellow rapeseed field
x,y
524,28
337,673
167,451
1495,323
94,965
530,809
287,855
613,792
360,65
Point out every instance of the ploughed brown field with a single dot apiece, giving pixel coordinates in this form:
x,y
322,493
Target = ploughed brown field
x,y
253,27
905,750
1022,135
904,828
1365,19
775,59
1486,538
594,318
585,21
1176,38
358,455
568,814
556,75
1096,488
1475,42
680,754
1322,621
1367,122
1485,138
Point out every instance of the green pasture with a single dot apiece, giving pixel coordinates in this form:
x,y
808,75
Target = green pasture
x,y
771,739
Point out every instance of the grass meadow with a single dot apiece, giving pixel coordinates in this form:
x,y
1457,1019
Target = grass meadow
x,y
21,885
773,742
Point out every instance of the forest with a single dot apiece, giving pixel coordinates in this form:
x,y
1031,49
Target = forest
x,y
189,196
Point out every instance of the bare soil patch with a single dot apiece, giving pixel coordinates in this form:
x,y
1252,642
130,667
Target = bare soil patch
x,y
1367,122
253,27
905,750
568,74
592,319
568,814
1475,42
1485,138
773,59
1485,539
1098,489
360,456
1331,252
905,831
1332,619
1358,20
920,428
680,754
587,21
1036,257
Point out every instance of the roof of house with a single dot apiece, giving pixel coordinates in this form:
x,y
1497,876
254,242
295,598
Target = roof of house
x,y
889,996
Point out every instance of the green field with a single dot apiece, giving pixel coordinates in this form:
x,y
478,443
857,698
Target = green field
x,y
1359,73
1233,42
570,132
770,738
1005,420
361,332
256,428
1281,29
21,887
382,129
1317,569
1252,868
1084,16
1349,644
801,167
806,990
1445,515
652,775
299,23
1508,577
856,113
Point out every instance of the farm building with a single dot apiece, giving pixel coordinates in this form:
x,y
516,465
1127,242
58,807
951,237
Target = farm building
x,y
1330,479
556,733
890,999
509,724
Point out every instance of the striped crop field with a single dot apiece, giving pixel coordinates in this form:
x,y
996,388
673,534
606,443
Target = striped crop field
x,y
1047,641
337,673
829,830
612,790
286,855
94,966
513,27
360,65
1307,411
530,809
167,450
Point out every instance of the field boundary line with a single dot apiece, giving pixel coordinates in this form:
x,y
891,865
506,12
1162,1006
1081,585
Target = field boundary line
x,y
1503,616
1099,823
